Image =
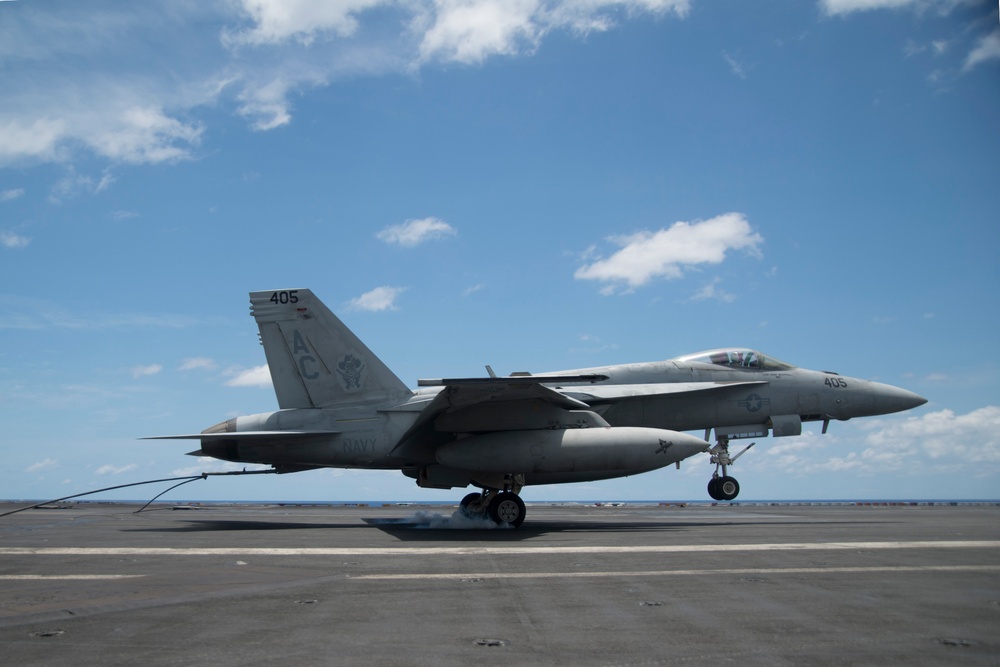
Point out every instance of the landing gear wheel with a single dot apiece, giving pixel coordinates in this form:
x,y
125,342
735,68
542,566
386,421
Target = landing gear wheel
x,y
507,507
724,487
467,505
727,488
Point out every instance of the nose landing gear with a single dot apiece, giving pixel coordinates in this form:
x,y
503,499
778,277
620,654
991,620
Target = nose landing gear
x,y
724,487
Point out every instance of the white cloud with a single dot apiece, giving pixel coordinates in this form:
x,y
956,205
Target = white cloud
x,y
275,21
667,252
116,470
10,195
133,134
250,56
469,31
12,240
258,376
711,291
378,299
973,438
145,371
842,7
76,89
42,465
986,49
934,443
459,30
266,104
414,232
73,184
144,134
30,138
197,363
737,67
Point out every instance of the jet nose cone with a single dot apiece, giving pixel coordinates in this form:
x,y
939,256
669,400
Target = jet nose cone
x,y
893,399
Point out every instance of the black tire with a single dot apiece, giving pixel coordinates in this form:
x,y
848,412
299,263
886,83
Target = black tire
x,y
713,489
728,488
467,501
507,507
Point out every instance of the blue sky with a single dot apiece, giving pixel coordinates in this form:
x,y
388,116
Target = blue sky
x,y
531,185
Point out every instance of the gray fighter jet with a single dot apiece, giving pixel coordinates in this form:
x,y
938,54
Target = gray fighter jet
x,y
341,407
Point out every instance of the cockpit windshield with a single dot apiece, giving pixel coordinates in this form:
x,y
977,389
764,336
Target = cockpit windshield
x,y
737,357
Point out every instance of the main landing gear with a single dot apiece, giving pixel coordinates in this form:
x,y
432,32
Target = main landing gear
x,y
724,487
500,506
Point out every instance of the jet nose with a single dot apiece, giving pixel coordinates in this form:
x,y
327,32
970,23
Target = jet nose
x,y
893,399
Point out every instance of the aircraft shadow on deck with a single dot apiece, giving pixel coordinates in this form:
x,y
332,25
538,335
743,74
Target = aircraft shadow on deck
x,y
425,526
452,529
407,531
216,525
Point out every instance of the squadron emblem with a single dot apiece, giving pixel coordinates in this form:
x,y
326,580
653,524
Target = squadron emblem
x,y
350,369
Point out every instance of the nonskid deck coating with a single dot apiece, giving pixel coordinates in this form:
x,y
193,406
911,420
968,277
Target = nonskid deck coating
x,y
618,585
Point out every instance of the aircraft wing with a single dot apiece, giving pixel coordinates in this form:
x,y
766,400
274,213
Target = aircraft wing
x,y
498,404
246,438
524,402
462,392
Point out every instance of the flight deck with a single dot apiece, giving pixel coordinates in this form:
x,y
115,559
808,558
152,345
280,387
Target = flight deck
x,y
576,584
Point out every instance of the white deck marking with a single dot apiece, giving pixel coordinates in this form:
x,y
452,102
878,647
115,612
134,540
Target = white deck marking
x,y
59,577
488,550
674,573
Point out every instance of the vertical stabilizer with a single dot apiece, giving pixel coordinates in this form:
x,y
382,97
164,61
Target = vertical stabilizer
x,y
314,359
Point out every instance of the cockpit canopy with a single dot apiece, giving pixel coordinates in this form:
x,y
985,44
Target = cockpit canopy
x,y
736,357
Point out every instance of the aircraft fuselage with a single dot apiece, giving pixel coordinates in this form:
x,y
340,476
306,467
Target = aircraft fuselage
x,y
342,407
737,403
737,397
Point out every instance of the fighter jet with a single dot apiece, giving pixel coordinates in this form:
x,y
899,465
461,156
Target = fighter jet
x,y
340,406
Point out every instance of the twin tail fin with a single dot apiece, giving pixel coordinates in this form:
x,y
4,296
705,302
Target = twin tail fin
x,y
314,359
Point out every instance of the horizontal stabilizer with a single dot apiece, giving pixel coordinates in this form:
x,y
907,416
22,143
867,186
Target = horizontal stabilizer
x,y
244,435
